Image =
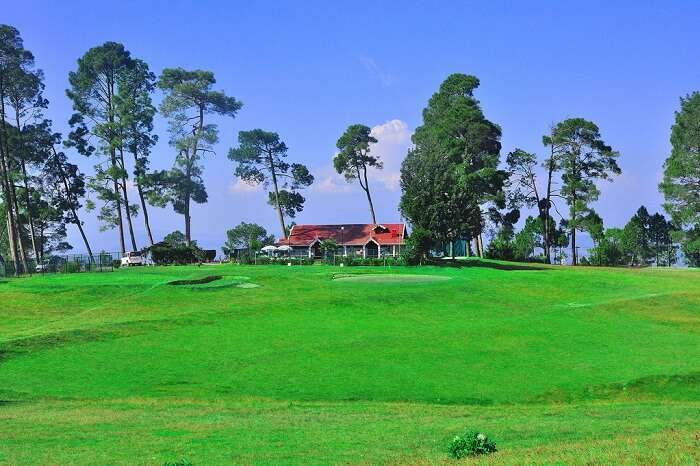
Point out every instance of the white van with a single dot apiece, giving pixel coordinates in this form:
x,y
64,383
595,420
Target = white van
x,y
132,258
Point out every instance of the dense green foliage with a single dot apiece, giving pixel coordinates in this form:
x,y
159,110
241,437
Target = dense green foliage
x,y
354,157
245,239
324,368
190,101
472,443
260,159
582,157
681,183
452,173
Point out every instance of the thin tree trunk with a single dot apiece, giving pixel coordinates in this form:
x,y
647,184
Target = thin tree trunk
x,y
25,178
76,219
195,144
28,206
127,207
365,187
145,213
113,159
22,250
280,215
547,238
5,172
144,207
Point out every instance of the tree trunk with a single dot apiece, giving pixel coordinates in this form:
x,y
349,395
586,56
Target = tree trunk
x,y
127,207
188,234
18,232
28,206
145,213
113,159
144,207
280,215
547,237
5,181
76,219
369,196
195,144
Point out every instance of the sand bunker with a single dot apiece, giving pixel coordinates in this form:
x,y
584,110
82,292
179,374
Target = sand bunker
x,y
389,278
214,282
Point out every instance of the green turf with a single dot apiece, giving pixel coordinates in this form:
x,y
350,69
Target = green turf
x,y
289,365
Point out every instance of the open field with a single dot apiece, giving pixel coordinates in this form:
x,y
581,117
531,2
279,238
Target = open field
x,y
281,365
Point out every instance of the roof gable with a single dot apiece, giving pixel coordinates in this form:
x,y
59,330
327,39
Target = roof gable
x,y
356,234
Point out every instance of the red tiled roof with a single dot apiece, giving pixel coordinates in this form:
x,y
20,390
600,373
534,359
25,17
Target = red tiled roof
x,y
350,235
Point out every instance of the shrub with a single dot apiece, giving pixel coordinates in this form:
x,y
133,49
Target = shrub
x,y
181,462
472,443
164,253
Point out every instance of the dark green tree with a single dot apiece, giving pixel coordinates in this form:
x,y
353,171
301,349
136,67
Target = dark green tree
x,y
248,236
582,156
452,173
93,90
354,158
660,240
16,68
190,100
135,110
681,182
260,159
636,240
69,188
526,190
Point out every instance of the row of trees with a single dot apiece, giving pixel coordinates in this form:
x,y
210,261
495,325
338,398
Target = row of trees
x,y
455,184
112,95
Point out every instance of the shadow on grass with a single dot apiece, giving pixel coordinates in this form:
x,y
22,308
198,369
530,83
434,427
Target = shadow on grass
x,y
462,263
674,387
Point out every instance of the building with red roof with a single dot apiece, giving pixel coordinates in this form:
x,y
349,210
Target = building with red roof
x,y
357,239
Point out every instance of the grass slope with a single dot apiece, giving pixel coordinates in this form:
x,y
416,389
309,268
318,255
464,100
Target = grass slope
x,y
557,364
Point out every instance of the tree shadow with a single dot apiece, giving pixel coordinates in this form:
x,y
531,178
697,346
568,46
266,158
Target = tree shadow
x,y
509,266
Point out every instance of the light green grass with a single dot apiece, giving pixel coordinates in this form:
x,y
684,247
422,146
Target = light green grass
x,y
559,365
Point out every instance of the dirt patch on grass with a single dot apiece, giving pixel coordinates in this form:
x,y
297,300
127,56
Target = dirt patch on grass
x,y
196,281
389,278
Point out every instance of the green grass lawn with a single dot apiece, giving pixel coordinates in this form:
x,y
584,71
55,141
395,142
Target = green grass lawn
x,y
287,365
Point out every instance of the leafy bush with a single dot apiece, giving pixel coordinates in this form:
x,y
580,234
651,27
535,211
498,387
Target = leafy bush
x,y
164,253
472,443
181,462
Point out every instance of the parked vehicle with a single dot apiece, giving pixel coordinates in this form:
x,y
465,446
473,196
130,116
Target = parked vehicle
x,y
131,258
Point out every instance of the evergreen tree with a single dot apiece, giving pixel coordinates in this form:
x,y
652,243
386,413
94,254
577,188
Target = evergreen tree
x,y
681,182
452,170
189,101
94,87
581,155
354,158
260,158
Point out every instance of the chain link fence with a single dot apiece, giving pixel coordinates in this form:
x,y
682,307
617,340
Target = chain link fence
x,y
68,263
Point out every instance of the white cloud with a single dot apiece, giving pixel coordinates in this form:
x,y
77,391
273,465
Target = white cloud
x,y
393,142
385,78
332,183
240,186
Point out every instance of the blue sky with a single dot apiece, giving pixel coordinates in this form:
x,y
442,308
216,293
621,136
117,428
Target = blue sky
x,y
309,69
